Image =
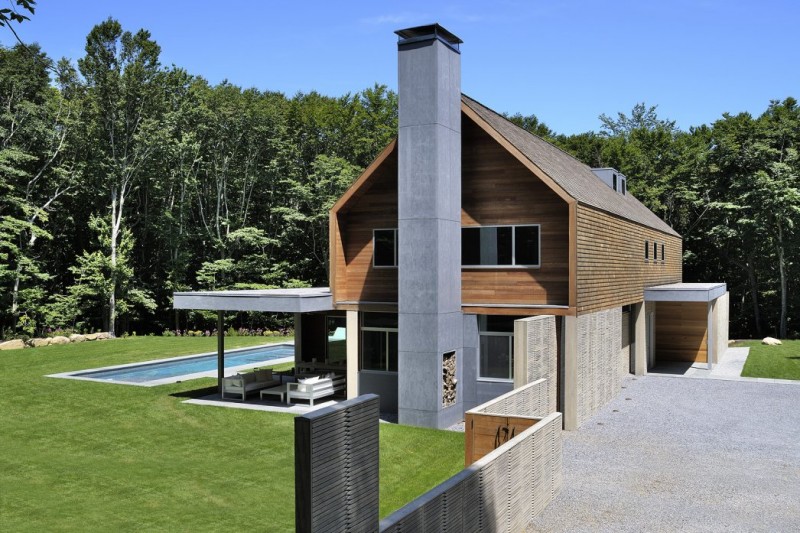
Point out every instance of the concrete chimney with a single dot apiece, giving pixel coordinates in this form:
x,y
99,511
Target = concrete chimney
x,y
429,224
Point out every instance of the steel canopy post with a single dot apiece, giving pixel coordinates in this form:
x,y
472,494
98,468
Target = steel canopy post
x,y
220,349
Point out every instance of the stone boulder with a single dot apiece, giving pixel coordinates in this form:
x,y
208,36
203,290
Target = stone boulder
x,y
92,336
77,337
103,336
14,344
770,341
59,340
38,343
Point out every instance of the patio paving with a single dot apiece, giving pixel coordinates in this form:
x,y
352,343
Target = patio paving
x,y
682,454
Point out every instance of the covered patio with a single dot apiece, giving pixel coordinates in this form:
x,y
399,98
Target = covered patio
x,y
302,303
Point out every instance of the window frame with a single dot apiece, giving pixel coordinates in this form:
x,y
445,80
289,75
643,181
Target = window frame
x,y
396,252
380,329
647,250
513,264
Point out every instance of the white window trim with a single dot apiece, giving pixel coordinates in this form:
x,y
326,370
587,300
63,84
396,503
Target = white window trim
x,y
396,244
513,264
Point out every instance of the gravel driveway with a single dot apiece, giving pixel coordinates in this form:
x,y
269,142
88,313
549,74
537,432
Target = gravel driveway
x,y
681,454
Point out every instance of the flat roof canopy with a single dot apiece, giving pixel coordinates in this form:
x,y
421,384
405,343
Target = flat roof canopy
x,y
266,300
685,292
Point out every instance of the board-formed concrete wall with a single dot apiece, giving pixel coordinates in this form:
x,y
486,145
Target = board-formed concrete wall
x,y
536,354
599,350
721,317
336,467
502,491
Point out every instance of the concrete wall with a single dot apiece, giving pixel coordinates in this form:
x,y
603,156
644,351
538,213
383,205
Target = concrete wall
x,y
469,365
384,384
598,360
536,354
721,323
336,467
502,491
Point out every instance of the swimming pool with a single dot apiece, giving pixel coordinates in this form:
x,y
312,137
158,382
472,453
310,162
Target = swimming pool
x,y
190,367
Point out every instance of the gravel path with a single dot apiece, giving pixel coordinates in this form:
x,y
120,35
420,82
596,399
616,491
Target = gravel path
x,y
679,454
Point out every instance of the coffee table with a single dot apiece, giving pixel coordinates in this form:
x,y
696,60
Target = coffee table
x,y
275,391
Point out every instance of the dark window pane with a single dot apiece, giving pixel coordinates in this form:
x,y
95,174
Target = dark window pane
x,y
497,323
373,350
380,320
663,257
384,247
527,245
504,243
470,246
655,251
495,359
647,249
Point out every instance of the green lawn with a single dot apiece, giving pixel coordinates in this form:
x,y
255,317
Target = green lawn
x,y
80,455
778,362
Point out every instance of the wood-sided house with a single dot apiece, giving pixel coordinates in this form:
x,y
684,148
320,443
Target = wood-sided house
x,y
466,223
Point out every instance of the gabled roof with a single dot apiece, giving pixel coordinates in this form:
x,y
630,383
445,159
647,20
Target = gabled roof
x,y
574,177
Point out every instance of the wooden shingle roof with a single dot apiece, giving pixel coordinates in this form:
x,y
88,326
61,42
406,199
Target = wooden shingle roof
x,y
574,177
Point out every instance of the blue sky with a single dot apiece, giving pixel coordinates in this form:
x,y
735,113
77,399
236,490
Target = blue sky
x,y
564,61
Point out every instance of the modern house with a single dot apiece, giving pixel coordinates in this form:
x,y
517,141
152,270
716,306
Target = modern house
x,y
466,223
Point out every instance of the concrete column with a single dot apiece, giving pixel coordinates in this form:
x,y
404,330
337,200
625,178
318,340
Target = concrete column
x,y
639,339
570,380
430,322
520,353
353,335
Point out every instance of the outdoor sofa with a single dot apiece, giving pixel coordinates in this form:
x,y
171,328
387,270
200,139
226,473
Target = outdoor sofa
x,y
315,388
241,384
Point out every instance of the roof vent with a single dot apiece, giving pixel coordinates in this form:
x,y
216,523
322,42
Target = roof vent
x,y
613,178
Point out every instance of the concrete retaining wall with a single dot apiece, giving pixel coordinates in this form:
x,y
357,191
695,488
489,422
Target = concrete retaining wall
x,y
536,355
501,492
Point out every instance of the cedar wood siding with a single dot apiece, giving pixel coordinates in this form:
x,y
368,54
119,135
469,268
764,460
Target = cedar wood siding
x,y
375,207
681,331
612,271
497,189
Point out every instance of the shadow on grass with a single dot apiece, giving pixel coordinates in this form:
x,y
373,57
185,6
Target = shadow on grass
x,y
195,393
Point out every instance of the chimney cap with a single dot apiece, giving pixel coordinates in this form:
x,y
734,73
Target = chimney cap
x,y
427,33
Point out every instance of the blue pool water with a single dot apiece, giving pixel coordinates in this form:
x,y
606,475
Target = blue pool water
x,y
188,365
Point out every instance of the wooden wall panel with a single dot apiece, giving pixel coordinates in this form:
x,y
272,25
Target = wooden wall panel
x,y
498,189
374,208
681,331
611,269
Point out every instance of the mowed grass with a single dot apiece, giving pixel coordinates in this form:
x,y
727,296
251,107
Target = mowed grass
x,y
777,362
86,456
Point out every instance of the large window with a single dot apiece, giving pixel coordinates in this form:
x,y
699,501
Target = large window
x,y
379,342
496,359
384,248
500,246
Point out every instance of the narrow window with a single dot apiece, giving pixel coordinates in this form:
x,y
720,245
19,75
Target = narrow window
x,y
384,247
663,255
655,251
614,181
624,187
646,250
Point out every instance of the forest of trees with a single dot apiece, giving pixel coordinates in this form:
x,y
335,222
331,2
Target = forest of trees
x,y
122,180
